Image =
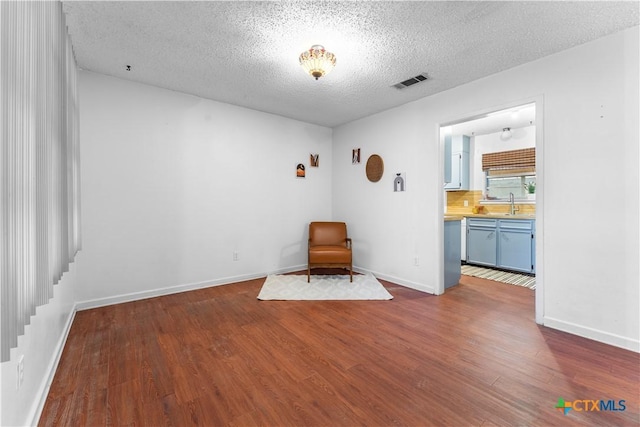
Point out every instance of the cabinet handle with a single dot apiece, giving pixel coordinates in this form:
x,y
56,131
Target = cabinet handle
x,y
490,236
504,237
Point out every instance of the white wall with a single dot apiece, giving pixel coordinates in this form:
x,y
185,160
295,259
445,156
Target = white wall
x,y
590,135
173,184
390,229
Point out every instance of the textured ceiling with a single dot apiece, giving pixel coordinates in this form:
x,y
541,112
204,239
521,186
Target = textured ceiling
x,y
246,53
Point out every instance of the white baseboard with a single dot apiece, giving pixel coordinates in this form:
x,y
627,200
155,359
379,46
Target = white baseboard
x,y
593,334
398,281
47,380
136,296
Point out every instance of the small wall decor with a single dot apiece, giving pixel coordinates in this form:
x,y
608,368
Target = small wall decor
x,y
355,156
314,160
399,182
300,171
375,168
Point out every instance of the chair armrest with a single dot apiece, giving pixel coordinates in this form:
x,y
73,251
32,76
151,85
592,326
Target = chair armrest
x,y
348,240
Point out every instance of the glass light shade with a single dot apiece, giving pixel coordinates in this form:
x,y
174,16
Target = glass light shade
x,y
317,61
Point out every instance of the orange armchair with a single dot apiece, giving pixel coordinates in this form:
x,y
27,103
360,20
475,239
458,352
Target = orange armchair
x,y
329,246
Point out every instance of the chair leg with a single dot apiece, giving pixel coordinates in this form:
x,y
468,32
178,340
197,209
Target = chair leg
x,y
351,273
308,274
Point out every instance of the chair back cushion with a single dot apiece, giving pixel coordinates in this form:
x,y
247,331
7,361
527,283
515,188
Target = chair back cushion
x,y
327,233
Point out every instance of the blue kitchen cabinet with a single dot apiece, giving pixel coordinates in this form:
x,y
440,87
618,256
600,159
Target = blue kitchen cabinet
x,y
451,253
482,241
457,163
516,245
505,243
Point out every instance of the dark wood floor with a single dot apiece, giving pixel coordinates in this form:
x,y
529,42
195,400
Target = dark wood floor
x,y
218,356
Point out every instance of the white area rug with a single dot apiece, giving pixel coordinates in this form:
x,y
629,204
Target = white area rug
x,y
334,287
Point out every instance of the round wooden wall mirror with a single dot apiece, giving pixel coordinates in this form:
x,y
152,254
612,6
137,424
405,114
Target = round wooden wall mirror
x,y
375,168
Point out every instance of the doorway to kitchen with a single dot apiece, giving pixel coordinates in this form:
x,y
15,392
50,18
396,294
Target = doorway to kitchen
x,y
493,171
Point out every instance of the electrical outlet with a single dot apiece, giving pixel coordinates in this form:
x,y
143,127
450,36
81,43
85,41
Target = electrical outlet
x,y
20,373
466,203
236,256
416,261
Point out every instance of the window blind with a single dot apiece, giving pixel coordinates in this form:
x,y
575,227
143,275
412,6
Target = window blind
x,y
514,159
39,161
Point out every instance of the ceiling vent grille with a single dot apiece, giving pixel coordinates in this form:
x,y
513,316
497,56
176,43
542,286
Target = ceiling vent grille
x,y
413,80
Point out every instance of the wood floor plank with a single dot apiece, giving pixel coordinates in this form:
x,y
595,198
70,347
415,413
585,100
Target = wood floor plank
x,y
219,357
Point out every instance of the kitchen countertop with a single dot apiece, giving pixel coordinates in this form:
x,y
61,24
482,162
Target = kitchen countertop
x,y
453,217
500,216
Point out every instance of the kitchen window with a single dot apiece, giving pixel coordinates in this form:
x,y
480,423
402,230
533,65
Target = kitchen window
x,y
509,172
499,187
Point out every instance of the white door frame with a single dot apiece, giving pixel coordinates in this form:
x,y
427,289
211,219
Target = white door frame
x,y
540,185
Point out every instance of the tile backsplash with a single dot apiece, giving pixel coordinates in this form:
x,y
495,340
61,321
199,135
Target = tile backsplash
x,y
455,204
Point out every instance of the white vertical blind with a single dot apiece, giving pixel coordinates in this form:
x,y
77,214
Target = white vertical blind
x,y
39,160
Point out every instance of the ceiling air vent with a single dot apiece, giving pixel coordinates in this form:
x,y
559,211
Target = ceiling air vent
x,y
413,80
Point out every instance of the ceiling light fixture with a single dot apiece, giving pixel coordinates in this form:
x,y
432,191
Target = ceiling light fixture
x,y
317,61
506,133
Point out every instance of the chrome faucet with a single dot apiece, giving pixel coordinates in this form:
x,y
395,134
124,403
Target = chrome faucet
x,y
514,209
